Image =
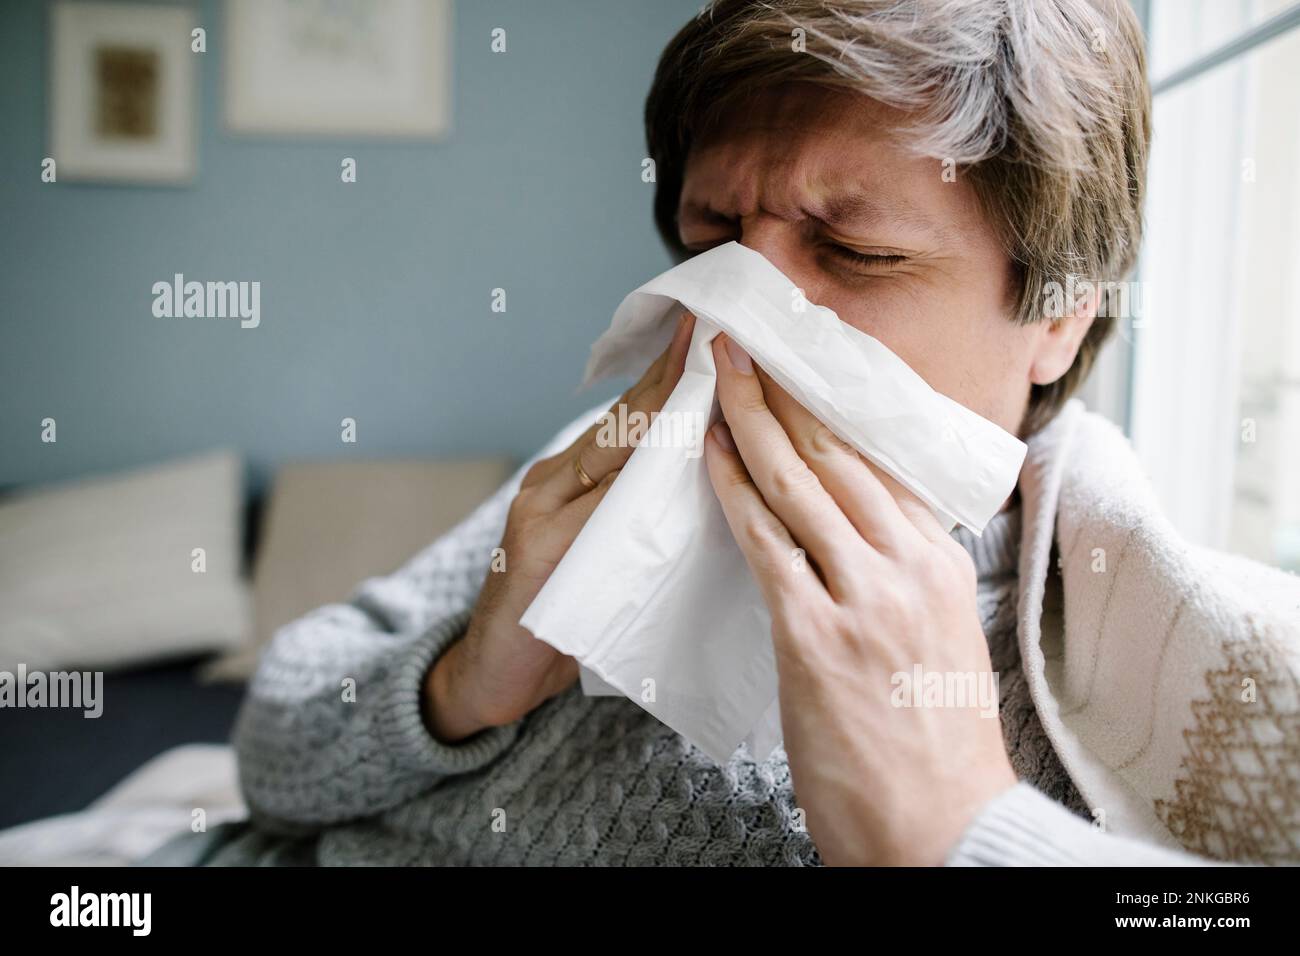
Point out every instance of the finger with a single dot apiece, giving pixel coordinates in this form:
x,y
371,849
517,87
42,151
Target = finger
x,y
916,511
872,506
789,487
784,579
557,533
572,518
559,481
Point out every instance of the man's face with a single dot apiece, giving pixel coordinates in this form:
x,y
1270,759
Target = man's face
x,y
818,183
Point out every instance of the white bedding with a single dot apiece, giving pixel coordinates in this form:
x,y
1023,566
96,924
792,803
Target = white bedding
x,y
149,807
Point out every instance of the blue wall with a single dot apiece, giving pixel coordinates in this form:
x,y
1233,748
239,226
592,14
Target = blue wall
x,y
375,296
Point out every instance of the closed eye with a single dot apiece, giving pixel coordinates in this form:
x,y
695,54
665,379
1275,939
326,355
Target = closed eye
x,y
870,260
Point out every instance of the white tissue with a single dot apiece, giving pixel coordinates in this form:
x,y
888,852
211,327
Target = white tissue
x,y
654,598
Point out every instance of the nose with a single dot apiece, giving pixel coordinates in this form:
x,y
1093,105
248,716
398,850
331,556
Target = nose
x,y
782,243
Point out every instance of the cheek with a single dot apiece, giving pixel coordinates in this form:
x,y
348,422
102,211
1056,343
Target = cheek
x,y
977,357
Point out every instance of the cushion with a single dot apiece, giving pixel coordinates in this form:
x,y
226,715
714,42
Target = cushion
x,y
329,526
102,572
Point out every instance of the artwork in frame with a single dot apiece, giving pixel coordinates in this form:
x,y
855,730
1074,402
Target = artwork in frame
x,y
347,68
123,92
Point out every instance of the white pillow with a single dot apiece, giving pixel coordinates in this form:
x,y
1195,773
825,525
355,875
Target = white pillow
x,y
103,572
330,525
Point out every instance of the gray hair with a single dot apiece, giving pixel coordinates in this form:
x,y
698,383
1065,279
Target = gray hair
x,y
1042,104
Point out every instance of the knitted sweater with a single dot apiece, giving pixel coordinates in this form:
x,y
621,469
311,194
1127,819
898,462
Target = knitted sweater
x,y
338,767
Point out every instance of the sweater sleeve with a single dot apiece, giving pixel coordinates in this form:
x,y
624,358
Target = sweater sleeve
x,y
1024,827
331,728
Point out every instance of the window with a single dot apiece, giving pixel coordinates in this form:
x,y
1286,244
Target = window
x,y
1212,357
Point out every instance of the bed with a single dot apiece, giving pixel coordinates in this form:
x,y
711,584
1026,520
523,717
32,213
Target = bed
x,y
100,575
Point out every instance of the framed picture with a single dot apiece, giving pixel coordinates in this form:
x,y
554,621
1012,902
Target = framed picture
x,y
339,67
123,92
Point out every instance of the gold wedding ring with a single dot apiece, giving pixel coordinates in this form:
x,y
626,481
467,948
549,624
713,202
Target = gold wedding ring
x,y
581,472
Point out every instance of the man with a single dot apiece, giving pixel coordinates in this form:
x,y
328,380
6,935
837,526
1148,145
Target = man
x,y
926,170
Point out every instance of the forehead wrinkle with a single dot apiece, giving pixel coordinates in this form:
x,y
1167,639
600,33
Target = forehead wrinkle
x,y
794,177
739,178
849,210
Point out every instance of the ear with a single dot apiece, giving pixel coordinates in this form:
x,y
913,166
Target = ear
x,y
1059,340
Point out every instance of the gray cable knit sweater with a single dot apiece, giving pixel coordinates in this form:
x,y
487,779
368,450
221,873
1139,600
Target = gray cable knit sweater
x,y
335,777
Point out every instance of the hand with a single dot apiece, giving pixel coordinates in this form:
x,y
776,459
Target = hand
x,y
499,672
882,589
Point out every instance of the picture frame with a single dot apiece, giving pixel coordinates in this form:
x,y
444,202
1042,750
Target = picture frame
x,y
338,68
123,103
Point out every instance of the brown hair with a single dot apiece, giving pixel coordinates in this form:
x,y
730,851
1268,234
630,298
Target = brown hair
x,y
1042,104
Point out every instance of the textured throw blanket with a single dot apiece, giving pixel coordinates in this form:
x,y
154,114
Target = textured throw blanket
x,y
1165,675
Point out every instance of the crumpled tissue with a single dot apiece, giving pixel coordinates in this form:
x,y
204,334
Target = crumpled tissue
x,y
654,598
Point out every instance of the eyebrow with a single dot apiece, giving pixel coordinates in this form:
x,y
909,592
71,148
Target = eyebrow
x,y
841,211
846,210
